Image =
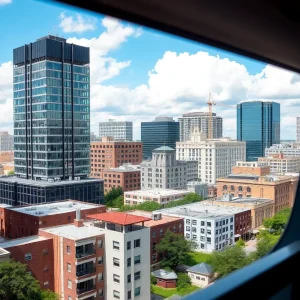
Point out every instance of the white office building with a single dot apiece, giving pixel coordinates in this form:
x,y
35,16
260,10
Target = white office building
x,y
287,149
188,122
165,172
215,157
119,130
282,164
6,141
210,226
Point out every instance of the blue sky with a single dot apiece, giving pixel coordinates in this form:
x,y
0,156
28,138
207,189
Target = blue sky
x,y
138,73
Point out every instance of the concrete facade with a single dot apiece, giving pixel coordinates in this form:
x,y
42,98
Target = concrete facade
x,y
165,172
215,157
198,188
119,130
287,149
279,163
6,142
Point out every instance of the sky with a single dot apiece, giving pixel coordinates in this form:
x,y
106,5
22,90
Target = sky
x,y
138,73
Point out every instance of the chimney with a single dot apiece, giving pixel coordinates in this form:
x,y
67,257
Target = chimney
x,y
78,222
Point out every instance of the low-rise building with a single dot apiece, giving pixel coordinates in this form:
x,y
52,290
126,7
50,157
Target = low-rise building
x,y
165,172
279,163
287,149
212,190
161,196
201,275
211,227
6,157
165,279
198,188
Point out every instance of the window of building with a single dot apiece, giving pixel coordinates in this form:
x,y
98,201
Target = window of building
x,y
128,278
128,245
116,262
100,260
116,278
137,243
153,246
208,231
100,292
202,246
208,224
198,277
68,249
100,243
69,284
231,219
208,240
28,256
46,283
100,277
187,228
116,245
202,223
187,235
188,221
154,234
161,232
137,291
137,275
137,259
129,295
69,298
128,261
202,230
194,229
116,294
154,257
68,267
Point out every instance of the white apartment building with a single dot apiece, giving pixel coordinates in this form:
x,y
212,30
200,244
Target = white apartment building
x,y
165,172
215,157
6,141
298,129
188,122
212,227
287,149
119,130
160,196
279,163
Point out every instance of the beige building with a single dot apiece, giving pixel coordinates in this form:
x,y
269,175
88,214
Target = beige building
x,y
250,179
201,275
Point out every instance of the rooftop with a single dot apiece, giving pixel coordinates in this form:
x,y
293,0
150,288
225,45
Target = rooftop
x,y
73,232
125,168
5,205
164,274
42,183
249,200
201,268
22,241
202,210
164,148
157,192
54,208
151,223
119,218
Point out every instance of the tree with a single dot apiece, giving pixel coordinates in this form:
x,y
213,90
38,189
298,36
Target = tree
x,y
11,173
266,242
175,249
112,195
240,243
17,284
277,223
230,259
153,279
183,281
48,295
187,199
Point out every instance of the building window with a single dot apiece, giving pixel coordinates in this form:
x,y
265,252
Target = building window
x,y
68,267
240,188
202,246
154,257
46,283
100,260
194,222
224,187
129,245
137,291
153,246
129,295
187,228
128,278
187,235
161,232
154,234
100,243
194,229
188,221
208,224
28,256
232,187
68,249
116,294
248,189
100,277
128,261
202,230
198,277
137,259
100,292
137,243
202,223
116,278
116,262
231,219
69,284
69,298
208,240
137,275
116,245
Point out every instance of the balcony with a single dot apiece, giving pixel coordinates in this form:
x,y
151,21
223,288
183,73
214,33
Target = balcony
x,y
85,289
85,250
86,271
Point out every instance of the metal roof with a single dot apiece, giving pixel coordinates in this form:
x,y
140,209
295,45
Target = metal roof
x,y
201,268
163,274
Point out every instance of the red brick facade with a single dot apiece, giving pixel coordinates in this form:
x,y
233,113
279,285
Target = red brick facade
x,y
166,283
242,223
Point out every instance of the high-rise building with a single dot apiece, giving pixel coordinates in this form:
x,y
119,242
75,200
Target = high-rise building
x,y
215,157
51,109
188,122
258,124
163,131
119,130
298,129
6,141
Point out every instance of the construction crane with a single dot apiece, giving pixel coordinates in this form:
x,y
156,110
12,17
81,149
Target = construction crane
x,y
210,103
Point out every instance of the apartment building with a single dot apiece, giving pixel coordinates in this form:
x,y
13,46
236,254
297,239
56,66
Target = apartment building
x,y
23,221
211,227
161,196
165,172
215,157
113,154
287,149
159,224
188,122
128,177
119,130
279,163
6,142
252,179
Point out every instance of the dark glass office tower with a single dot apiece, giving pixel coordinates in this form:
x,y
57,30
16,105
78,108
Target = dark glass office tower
x,y
258,124
163,131
51,110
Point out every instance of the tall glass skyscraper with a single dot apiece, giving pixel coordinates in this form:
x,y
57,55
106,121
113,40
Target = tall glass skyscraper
x,y
51,110
258,124
163,131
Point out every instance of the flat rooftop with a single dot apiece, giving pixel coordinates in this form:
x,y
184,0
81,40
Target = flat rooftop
x,y
151,223
119,218
5,205
124,169
22,241
157,192
42,183
54,208
249,200
202,210
73,232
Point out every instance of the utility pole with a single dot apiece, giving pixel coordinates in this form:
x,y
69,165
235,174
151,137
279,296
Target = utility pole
x,y
210,103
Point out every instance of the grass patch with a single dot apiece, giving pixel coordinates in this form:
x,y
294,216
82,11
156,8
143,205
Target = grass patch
x,y
166,293
195,258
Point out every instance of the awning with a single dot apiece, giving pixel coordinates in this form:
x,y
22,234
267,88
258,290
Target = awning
x,y
255,231
237,235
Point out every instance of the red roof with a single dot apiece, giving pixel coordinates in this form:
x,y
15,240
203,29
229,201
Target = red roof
x,y
118,218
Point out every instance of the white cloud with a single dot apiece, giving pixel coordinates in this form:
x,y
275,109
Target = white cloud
x,y
4,2
78,24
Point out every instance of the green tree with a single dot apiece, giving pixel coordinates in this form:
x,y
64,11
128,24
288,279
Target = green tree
x,y
11,173
175,248
266,242
183,281
277,223
187,199
48,295
240,243
112,195
17,284
230,259
153,279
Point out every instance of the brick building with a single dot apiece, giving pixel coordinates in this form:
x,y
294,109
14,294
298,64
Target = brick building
x,y
158,225
16,222
111,154
251,179
6,157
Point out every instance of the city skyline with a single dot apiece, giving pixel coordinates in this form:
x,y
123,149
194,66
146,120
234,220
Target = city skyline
x,y
134,70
